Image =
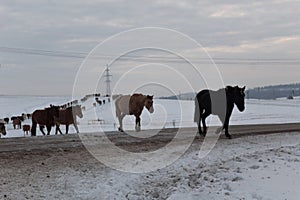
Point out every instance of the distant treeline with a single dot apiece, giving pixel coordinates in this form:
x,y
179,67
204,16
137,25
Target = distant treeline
x,y
274,91
266,92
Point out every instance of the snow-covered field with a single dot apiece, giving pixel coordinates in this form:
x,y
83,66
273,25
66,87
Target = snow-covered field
x,y
246,167
168,113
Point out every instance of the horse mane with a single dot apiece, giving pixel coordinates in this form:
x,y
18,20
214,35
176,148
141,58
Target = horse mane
x,y
145,96
51,106
116,96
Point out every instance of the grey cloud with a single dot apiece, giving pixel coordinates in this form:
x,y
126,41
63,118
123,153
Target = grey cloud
x,y
80,25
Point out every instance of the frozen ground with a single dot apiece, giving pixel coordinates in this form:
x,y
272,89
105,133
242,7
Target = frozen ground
x,y
168,113
248,167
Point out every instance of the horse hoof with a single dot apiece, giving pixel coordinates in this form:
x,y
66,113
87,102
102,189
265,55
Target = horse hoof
x,y
121,130
229,136
202,134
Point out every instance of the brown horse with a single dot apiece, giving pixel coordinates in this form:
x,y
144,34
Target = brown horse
x,y
17,123
46,117
26,129
68,116
133,105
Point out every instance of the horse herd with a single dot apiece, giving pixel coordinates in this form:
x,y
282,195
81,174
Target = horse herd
x,y
49,117
207,102
54,116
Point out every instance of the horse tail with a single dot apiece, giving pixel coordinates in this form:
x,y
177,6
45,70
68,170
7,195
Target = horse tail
x,y
118,111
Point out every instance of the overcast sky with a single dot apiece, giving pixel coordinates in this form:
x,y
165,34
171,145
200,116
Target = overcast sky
x,y
253,43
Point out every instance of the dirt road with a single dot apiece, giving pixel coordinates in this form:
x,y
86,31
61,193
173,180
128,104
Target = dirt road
x,y
60,142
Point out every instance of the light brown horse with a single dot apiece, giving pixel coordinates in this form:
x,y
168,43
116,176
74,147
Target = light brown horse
x,y
68,116
133,105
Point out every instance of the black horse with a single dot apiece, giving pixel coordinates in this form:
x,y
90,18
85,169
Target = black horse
x,y
219,103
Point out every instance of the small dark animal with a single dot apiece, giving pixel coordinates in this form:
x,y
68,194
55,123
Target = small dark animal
x,y
17,117
83,99
6,120
26,128
75,101
2,129
28,116
67,117
24,116
219,103
21,118
47,117
63,106
133,105
98,101
17,123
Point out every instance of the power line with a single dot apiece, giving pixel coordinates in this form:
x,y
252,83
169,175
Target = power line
x,y
152,58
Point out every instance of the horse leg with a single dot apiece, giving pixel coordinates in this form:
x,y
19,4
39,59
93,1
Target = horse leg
x,y
118,114
137,123
197,116
204,116
42,129
67,128
48,129
199,122
120,117
56,128
76,127
33,128
226,122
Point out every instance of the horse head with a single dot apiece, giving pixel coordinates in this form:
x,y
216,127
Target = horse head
x,y
149,103
54,112
77,111
2,128
238,96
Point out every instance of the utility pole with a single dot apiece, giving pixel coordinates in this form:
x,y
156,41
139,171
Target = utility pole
x,y
107,76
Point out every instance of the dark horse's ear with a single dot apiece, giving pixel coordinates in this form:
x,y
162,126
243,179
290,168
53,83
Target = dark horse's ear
x,y
243,88
229,88
150,97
